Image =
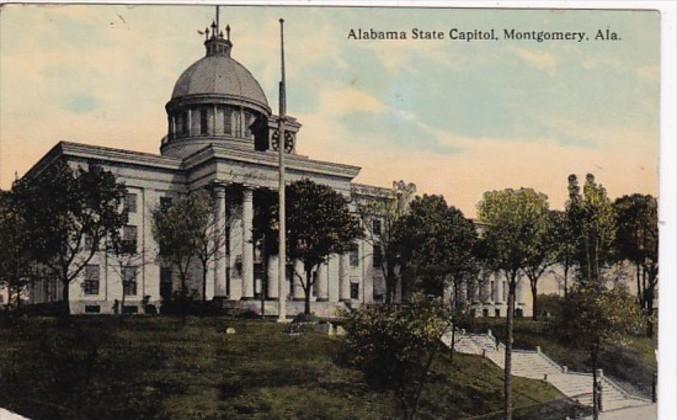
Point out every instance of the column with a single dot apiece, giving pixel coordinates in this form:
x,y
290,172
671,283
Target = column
x,y
499,289
190,121
220,239
299,293
247,245
344,277
273,280
323,282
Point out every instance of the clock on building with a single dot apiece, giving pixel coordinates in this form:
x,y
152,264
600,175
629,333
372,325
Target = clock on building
x,y
288,141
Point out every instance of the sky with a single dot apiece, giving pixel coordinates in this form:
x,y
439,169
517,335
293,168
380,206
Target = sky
x,y
456,118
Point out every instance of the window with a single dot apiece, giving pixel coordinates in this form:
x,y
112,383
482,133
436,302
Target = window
x,y
129,280
204,121
91,283
185,128
485,312
165,203
354,255
129,309
248,121
376,226
228,121
92,309
130,202
89,242
354,290
378,256
497,313
129,233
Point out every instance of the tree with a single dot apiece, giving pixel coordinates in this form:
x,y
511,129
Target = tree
x,y
593,219
69,214
565,245
511,222
16,264
540,258
593,315
395,346
177,233
211,232
437,242
637,242
126,261
319,224
380,217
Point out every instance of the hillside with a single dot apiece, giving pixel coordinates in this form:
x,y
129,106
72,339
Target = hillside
x,y
165,368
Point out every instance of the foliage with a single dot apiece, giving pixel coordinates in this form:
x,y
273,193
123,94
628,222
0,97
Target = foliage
x,y
542,257
161,367
68,215
594,222
513,223
565,245
210,231
395,346
319,224
183,233
436,245
594,315
387,212
16,263
637,242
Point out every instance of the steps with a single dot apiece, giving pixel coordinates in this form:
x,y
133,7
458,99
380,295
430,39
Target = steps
x,y
536,365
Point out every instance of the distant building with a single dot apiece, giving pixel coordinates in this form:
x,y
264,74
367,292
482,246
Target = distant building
x,y
222,136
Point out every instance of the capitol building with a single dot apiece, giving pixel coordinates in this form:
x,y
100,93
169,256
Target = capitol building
x,y
222,136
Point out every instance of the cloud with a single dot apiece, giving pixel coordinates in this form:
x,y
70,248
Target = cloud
x,y
540,59
82,104
349,101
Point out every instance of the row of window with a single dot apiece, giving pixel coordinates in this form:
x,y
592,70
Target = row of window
x,y
229,122
131,199
377,256
91,284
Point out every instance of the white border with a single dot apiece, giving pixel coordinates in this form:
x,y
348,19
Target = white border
x,y
667,320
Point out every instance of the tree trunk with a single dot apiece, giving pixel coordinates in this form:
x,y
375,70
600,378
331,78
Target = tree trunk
x,y
204,281
566,279
66,299
595,407
534,299
507,397
306,289
639,287
453,344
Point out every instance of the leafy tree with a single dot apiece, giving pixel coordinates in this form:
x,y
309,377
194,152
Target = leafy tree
x,y
176,232
125,256
69,214
593,315
565,245
437,242
512,221
637,242
540,258
380,217
16,263
319,224
593,219
210,231
395,346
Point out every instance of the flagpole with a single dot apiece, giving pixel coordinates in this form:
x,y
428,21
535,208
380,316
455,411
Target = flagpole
x,y
282,251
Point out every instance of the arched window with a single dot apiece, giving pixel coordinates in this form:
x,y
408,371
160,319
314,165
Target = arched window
x,y
204,121
228,121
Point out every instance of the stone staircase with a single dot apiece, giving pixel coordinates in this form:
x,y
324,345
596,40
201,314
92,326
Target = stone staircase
x,y
537,365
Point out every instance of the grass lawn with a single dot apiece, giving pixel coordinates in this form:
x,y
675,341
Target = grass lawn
x,y
161,367
633,364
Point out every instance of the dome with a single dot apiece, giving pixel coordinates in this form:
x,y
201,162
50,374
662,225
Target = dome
x,y
220,75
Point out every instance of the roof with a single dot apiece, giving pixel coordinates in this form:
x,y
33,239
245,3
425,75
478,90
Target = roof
x,y
219,75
